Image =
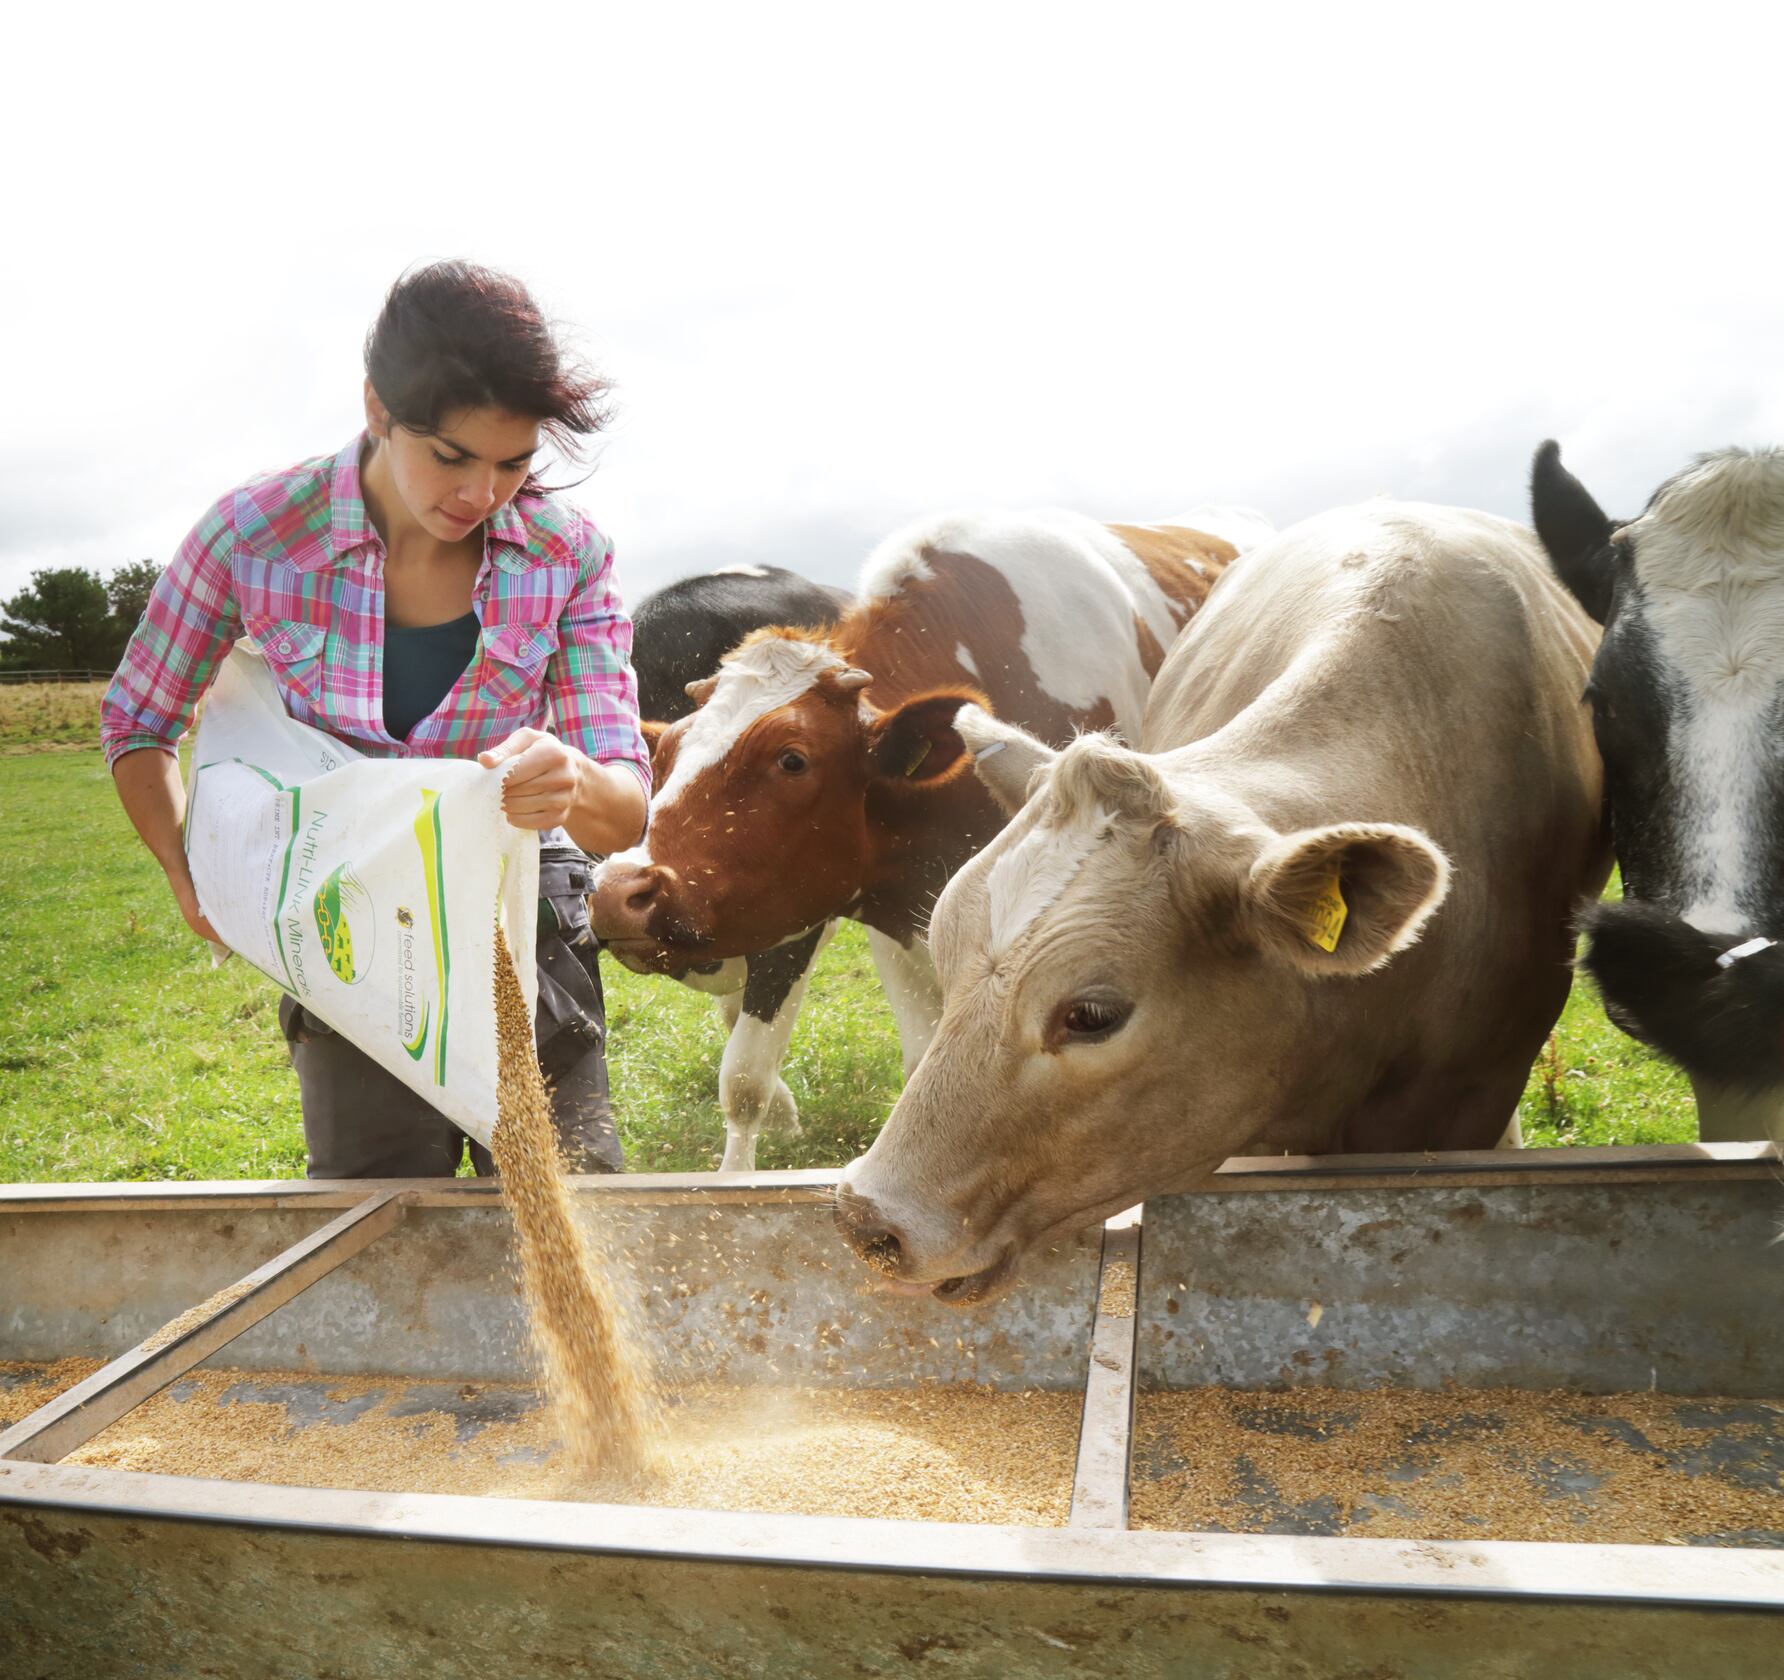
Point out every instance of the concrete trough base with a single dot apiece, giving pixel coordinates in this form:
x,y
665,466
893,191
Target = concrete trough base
x,y
117,1572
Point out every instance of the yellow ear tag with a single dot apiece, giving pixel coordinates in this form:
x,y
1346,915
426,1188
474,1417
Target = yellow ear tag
x,y
1326,918
918,756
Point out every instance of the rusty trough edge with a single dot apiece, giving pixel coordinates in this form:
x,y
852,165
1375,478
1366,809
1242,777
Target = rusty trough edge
x,y
1461,1169
1476,1168
74,1417
1683,1577
1105,1434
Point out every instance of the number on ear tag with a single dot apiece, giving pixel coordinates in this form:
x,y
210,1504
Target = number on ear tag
x,y
1328,915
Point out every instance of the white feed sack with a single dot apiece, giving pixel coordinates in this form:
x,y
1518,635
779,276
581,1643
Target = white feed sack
x,y
367,888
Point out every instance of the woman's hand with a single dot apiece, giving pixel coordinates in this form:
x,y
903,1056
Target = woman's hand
x,y
540,791
552,785
148,782
186,896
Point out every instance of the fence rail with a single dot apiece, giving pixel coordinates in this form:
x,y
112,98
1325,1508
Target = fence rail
x,y
55,676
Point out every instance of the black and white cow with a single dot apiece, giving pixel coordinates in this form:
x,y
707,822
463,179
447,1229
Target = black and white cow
x,y
1687,696
679,635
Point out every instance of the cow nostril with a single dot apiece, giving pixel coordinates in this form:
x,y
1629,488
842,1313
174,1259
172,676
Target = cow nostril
x,y
881,1250
640,897
867,1234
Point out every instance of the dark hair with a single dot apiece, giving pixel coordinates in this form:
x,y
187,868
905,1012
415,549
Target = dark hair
x,y
452,335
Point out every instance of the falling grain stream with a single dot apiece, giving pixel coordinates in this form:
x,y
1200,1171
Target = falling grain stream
x,y
597,1377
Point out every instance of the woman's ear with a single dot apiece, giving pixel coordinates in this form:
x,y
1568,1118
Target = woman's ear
x,y
377,416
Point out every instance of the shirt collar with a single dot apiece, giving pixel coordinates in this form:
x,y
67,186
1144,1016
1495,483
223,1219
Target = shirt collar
x,y
507,540
350,526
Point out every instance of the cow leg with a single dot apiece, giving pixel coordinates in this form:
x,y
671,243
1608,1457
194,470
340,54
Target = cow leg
x,y
760,1017
908,977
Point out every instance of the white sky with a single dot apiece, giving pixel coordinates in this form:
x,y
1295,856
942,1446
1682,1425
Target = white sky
x,y
852,264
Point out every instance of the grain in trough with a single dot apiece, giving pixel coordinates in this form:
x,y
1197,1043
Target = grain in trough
x,y
392,1310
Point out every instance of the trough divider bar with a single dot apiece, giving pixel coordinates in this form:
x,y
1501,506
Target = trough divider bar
x,y
629,1189
73,1418
1105,1433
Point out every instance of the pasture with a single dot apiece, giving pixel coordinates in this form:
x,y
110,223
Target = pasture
x,y
35,716
124,1055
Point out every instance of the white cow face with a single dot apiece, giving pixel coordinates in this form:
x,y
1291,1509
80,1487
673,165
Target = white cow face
x,y
1688,686
1687,697
1123,976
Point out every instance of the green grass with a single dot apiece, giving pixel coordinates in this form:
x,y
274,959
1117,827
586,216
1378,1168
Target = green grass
x,y
124,1055
121,1054
1592,1084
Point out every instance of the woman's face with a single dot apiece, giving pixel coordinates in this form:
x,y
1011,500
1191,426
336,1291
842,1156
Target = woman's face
x,y
452,479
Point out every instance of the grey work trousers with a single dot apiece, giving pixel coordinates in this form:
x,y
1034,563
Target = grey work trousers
x,y
362,1122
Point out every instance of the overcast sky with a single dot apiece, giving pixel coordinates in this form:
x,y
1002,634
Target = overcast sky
x,y
848,265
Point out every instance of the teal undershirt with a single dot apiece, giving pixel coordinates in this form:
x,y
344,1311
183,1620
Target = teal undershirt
x,y
421,664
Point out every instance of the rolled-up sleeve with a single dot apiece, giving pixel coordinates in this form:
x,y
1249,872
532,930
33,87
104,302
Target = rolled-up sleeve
x,y
594,695
189,624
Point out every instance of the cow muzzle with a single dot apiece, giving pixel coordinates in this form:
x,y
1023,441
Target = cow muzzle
x,y
633,903
879,1244
1712,1002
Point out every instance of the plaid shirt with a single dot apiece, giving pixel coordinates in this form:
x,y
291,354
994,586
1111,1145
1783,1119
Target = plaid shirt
x,y
291,561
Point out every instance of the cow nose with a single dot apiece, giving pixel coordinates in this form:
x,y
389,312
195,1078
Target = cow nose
x,y
865,1231
623,899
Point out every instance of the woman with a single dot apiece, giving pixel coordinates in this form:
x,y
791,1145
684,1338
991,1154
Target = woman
x,y
420,595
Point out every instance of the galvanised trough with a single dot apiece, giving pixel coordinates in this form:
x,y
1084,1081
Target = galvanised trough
x,y
1595,1271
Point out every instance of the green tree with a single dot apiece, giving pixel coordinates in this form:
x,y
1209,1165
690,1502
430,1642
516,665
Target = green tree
x,y
128,591
61,623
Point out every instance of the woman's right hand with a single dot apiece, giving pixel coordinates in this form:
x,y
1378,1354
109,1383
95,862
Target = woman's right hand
x,y
186,896
148,782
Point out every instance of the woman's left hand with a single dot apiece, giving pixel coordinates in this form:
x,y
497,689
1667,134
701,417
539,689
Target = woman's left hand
x,y
552,785
543,788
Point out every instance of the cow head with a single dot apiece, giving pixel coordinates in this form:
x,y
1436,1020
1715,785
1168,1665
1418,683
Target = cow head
x,y
776,800
1123,973
1687,697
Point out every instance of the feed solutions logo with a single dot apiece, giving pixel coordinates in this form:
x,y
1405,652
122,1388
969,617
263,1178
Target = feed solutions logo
x,y
412,1009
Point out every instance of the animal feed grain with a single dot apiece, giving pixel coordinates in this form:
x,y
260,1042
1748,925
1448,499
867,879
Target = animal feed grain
x,y
606,1407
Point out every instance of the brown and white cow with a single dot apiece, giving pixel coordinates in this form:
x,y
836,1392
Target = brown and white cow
x,y
1327,907
822,776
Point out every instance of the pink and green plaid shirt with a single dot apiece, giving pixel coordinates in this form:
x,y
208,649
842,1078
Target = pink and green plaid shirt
x,y
291,561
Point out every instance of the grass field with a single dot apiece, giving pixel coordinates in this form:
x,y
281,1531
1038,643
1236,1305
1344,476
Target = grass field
x,y
38,715
124,1055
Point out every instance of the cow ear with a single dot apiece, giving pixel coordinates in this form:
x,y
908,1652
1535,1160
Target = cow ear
x,y
1005,758
700,690
653,733
1574,530
1343,900
916,744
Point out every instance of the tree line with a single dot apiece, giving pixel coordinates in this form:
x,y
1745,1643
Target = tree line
x,y
71,619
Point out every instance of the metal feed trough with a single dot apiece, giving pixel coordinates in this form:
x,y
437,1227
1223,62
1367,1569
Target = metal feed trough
x,y
1605,1271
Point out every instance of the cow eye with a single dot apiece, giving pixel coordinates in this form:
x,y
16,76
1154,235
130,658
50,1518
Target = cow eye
x,y
1091,1020
793,761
